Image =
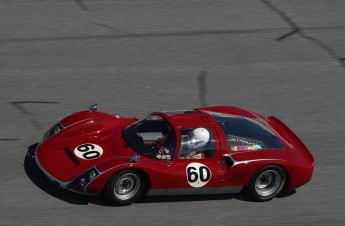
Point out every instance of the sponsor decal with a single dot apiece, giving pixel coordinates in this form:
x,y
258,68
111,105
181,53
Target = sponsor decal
x,y
164,157
246,148
198,175
88,151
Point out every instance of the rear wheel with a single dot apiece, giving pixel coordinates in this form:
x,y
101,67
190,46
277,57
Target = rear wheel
x,y
266,183
125,187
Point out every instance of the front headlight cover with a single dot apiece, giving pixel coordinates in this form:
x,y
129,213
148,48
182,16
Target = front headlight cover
x,y
79,184
52,131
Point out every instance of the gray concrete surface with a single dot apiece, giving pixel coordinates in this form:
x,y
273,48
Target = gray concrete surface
x,y
132,57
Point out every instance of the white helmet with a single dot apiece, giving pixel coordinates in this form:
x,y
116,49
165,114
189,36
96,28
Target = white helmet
x,y
198,138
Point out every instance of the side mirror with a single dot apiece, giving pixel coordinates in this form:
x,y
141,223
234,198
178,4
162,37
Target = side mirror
x,y
134,158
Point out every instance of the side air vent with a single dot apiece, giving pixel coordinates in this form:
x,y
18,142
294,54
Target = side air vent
x,y
229,162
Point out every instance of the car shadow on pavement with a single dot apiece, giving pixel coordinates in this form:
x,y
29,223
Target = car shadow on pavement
x,y
41,181
186,198
286,193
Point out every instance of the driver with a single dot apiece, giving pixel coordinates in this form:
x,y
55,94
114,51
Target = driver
x,y
198,138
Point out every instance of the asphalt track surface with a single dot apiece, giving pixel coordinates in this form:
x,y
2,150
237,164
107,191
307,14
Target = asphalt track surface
x,y
133,57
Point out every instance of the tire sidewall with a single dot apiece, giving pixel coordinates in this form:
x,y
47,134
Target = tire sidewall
x,y
109,189
251,191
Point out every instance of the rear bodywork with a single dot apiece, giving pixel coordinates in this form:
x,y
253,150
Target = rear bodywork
x,y
293,156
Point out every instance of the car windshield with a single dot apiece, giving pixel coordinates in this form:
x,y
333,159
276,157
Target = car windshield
x,y
152,136
246,134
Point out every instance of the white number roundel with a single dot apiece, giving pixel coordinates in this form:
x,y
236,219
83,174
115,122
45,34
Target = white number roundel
x,y
198,175
88,151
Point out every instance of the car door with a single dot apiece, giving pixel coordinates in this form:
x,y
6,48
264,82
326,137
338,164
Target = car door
x,y
200,167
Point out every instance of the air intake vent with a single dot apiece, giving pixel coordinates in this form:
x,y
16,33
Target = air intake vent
x,y
72,157
229,162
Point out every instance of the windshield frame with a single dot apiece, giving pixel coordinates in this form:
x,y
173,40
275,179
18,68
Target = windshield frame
x,y
147,150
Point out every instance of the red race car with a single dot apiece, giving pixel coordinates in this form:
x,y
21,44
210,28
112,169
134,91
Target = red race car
x,y
209,150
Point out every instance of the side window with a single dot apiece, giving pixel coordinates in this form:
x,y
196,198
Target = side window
x,y
197,143
245,134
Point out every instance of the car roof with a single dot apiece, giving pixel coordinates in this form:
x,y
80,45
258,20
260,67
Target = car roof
x,y
228,110
186,119
197,118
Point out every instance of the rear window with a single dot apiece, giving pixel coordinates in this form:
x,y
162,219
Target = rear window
x,y
246,134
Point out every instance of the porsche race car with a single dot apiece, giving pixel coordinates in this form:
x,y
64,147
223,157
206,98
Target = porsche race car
x,y
210,150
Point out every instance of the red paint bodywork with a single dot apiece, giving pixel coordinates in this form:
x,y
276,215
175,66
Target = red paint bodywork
x,y
105,130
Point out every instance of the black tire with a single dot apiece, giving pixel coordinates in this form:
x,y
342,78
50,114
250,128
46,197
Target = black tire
x,y
266,183
125,187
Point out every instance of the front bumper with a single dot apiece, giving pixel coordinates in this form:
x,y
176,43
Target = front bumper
x,y
74,185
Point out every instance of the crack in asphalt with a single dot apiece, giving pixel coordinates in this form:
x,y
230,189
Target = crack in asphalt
x,y
202,88
21,108
9,139
299,31
161,34
82,5
104,25
284,36
18,105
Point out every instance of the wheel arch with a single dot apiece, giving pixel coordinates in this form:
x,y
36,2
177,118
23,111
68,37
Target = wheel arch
x,y
126,186
98,185
146,177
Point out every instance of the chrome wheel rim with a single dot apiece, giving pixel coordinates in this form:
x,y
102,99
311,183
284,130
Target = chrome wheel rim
x,y
126,186
268,183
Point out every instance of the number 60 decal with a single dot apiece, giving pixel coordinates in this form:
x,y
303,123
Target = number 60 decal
x,y
198,175
88,151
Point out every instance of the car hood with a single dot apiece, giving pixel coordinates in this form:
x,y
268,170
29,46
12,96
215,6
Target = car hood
x,y
87,139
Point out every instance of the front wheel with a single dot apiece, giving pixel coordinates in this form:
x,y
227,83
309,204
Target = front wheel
x,y
125,187
266,183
